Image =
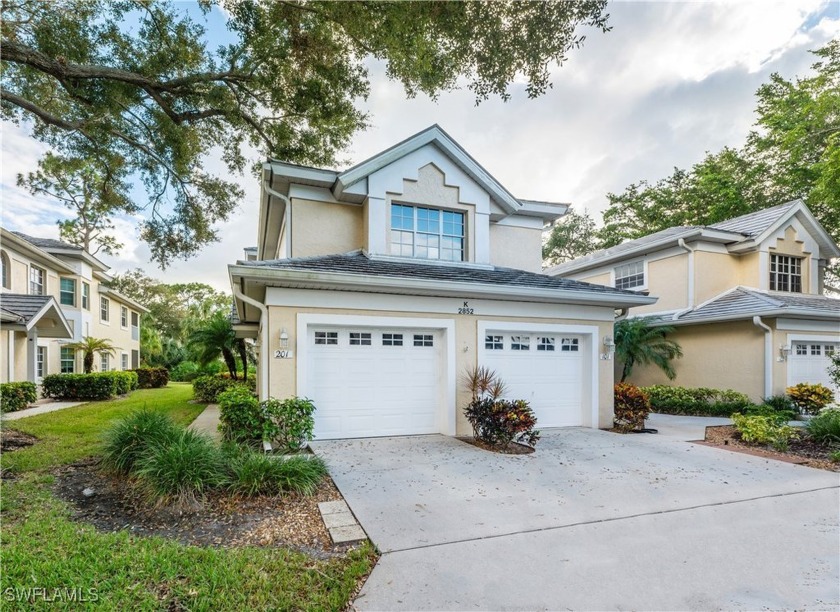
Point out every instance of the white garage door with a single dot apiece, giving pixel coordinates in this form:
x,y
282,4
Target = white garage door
x,y
809,361
544,369
368,382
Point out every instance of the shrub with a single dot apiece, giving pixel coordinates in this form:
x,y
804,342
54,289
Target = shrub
x,y
834,368
632,407
17,395
825,427
181,469
835,456
779,417
186,371
208,388
131,438
152,378
240,417
810,398
292,422
757,429
780,403
96,386
497,421
253,473
700,401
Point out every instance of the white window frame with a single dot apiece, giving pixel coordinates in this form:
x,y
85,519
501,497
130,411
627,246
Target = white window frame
x,y
43,280
774,276
41,360
361,338
521,342
63,361
7,270
493,342
85,295
104,362
124,361
615,277
124,317
546,344
104,307
326,338
415,231
61,291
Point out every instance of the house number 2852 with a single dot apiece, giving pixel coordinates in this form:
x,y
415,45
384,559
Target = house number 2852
x,y
466,310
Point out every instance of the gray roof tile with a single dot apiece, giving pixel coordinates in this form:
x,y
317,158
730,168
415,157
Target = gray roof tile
x,y
47,243
359,263
754,224
24,306
747,302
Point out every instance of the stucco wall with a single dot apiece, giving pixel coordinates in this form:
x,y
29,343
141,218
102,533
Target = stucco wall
x,y
283,372
324,228
516,247
721,356
667,279
714,274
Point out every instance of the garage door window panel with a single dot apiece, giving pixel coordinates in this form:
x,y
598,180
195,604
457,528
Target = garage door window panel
x,y
360,339
545,344
569,345
423,340
392,339
520,343
326,338
494,343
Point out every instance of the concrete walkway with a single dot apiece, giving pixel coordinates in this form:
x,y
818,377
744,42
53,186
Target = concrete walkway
x,y
208,422
593,521
686,428
39,409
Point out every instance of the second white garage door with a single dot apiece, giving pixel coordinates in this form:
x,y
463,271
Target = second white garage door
x,y
544,369
369,382
809,362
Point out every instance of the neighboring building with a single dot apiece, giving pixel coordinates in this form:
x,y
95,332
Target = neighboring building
x,y
53,294
745,296
373,290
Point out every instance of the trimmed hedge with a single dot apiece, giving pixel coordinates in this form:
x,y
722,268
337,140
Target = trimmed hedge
x,y
208,388
152,378
699,401
17,395
95,386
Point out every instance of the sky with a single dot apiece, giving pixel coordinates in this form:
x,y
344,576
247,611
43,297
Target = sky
x,y
669,82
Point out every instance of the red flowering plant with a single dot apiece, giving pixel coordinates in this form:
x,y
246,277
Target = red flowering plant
x,y
497,421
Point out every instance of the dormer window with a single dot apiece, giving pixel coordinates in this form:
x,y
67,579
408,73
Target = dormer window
x,y
630,276
427,233
785,273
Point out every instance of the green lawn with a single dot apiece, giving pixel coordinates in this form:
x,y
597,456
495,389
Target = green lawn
x,y
42,548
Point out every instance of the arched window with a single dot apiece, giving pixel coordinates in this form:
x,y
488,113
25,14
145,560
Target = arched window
x,y
6,270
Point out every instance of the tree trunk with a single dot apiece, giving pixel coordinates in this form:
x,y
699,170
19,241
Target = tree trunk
x,y
230,361
625,371
88,362
243,355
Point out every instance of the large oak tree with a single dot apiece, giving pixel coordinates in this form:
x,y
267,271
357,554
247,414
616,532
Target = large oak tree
x,y
138,87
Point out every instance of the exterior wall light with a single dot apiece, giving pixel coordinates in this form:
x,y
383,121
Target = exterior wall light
x,y
784,351
609,347
284,339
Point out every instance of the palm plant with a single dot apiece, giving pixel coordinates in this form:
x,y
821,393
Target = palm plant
x,y
214,338
638,340
90,347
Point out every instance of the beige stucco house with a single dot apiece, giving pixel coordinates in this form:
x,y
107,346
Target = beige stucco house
x,y
53,293
745,297
373,290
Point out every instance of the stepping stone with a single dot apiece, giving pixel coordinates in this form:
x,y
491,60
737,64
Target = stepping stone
x,y
344,535
339,519
332,507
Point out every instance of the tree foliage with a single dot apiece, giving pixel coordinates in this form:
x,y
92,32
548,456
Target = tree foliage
x,y
90,347
139,88
573,236
215,338
638,341
794,152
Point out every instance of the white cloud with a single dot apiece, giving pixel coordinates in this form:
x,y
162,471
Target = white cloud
x,y
668,83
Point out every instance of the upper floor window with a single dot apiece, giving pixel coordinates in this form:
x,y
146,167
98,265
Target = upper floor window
x,y
67,291
630,276
6,278
123,317
36,281
427,233
785,273
104,309
85,296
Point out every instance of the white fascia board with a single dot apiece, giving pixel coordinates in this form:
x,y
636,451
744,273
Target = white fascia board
x,y
51,305
379,284
445,143
518,220
829,327
302,174
36,253
792,313
801,210
123,298
547,211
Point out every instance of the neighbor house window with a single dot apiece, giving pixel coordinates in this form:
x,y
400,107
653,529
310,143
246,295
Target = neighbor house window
x,y
36,281
104,309
85,296
40,362
427,233
785,273
105,363
5,260
520,343
68,360
123,317
67,292
630,276
124,361
493,343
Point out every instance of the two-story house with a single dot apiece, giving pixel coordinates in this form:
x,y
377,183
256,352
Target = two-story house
x,y
745,297
373,290
54,293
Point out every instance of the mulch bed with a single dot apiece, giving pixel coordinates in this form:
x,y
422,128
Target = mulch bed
x,y
802,451
12,440
289,521
511,449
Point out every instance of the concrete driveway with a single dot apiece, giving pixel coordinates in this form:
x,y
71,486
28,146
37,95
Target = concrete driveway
x,y
592,520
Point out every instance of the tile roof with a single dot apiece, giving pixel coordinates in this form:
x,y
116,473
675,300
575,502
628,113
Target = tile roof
x,y
748,302
23,306
754,224
47,243
361,264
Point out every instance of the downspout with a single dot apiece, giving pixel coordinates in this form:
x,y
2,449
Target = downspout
x,y
690,297
768,355
287,218
263,339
